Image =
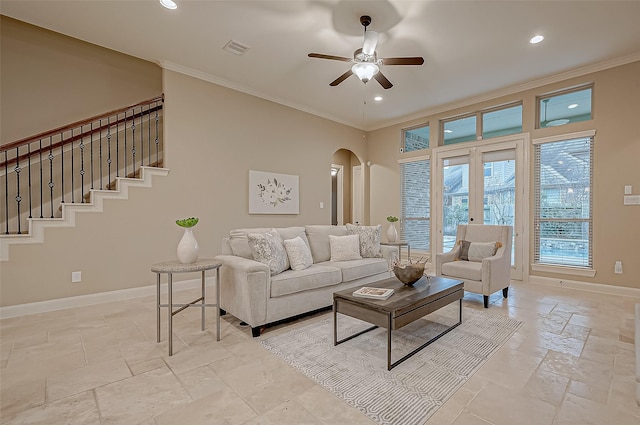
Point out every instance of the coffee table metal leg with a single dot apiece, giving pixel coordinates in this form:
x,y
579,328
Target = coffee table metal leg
x,y
389,343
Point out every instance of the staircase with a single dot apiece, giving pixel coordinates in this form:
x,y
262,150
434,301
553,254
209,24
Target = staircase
x,y
46,179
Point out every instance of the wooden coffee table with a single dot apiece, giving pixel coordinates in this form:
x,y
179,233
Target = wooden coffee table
x,y
406,305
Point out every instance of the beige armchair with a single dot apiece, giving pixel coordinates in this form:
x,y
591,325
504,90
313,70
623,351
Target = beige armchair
x,y
481,258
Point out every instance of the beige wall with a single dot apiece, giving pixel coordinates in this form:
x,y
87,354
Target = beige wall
x,y
617,151
213,137
48,80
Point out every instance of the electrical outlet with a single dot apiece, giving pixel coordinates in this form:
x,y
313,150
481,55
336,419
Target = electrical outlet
x,y
76,277
617,269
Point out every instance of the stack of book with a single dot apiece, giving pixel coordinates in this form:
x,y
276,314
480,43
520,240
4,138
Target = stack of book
x,y
374,293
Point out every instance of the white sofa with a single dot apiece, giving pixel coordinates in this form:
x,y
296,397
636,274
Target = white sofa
x,y
249,292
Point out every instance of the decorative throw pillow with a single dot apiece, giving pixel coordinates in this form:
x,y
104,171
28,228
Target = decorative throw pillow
x,y
268,249
369,239
299,253
477,251
345,248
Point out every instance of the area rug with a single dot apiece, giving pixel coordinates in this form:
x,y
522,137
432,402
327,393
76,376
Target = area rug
x,y
356,370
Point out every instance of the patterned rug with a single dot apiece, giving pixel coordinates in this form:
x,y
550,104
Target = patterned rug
x,y
409,394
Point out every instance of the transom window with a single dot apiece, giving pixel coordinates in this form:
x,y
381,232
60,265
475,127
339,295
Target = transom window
x,y
565,107
415,138
485,124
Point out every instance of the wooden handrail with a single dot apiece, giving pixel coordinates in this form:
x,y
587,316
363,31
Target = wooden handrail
x,y
68,127
76,137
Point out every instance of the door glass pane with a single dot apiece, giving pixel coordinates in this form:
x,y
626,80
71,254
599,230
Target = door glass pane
x,y
500,194
455,201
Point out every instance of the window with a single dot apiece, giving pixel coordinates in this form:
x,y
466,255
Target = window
x,y
563,221
415,209
416,138
502,122
459,130
564,108
494,122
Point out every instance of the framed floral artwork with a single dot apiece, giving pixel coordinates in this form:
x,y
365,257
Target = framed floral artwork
x,y
271,193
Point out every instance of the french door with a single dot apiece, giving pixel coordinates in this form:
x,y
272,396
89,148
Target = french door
x,y
480,183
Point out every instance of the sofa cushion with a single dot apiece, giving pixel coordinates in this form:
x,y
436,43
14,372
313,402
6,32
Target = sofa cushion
x,y
318,236
369,239
299,253
356,269
344,248
268,249
293,281
463,269
239,243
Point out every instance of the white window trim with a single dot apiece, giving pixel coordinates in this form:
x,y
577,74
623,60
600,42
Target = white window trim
x,y
565,136
414,159
574,271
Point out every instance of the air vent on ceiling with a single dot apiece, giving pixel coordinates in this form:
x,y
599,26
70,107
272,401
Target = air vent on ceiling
x,y
235,47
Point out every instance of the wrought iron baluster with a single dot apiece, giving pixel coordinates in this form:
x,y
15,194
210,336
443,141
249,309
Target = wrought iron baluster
x,y
51,184
133,143
109,153
117,146
100,152
18,198
141,137
73,198
81,146
157,140
62,166
41,193
6,191
149,134
125,143
90,156
29,173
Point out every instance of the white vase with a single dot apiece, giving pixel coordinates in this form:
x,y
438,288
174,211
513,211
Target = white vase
x,y
392,233
188,247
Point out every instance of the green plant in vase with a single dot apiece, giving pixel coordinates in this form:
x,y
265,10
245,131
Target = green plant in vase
x,y
188,247
392,232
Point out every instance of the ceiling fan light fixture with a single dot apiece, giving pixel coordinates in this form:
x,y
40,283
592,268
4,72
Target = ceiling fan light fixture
x,y
365,71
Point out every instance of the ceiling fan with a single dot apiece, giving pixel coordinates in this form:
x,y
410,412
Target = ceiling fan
x,y
366,62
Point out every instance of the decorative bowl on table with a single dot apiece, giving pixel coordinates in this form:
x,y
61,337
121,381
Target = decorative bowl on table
x,y
409,273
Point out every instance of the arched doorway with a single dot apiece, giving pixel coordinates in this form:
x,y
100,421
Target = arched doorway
x,y
347,188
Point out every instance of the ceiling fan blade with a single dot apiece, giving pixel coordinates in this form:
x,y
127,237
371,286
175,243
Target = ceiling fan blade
x,y
386,84
341,78
335,58
403,61
370,42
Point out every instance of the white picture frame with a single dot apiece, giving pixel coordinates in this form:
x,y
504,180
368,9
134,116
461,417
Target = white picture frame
x,y
273,193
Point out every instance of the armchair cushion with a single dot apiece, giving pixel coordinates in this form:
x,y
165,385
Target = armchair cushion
x,y
477,251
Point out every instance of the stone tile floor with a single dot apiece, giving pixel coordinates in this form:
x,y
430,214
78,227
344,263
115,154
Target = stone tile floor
x,y
572,362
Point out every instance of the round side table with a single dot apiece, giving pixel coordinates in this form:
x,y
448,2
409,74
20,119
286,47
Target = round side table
x,y
175,266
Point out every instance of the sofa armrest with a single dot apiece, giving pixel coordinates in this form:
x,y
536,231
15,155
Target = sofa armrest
x,y
446,257
244,288
496,272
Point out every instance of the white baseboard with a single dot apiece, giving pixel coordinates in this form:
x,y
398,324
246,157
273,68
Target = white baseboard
x,y
99,298
586,286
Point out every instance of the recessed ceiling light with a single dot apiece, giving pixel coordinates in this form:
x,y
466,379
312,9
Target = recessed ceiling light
x,y
536,39
169,4
377,98
448,131
573,105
